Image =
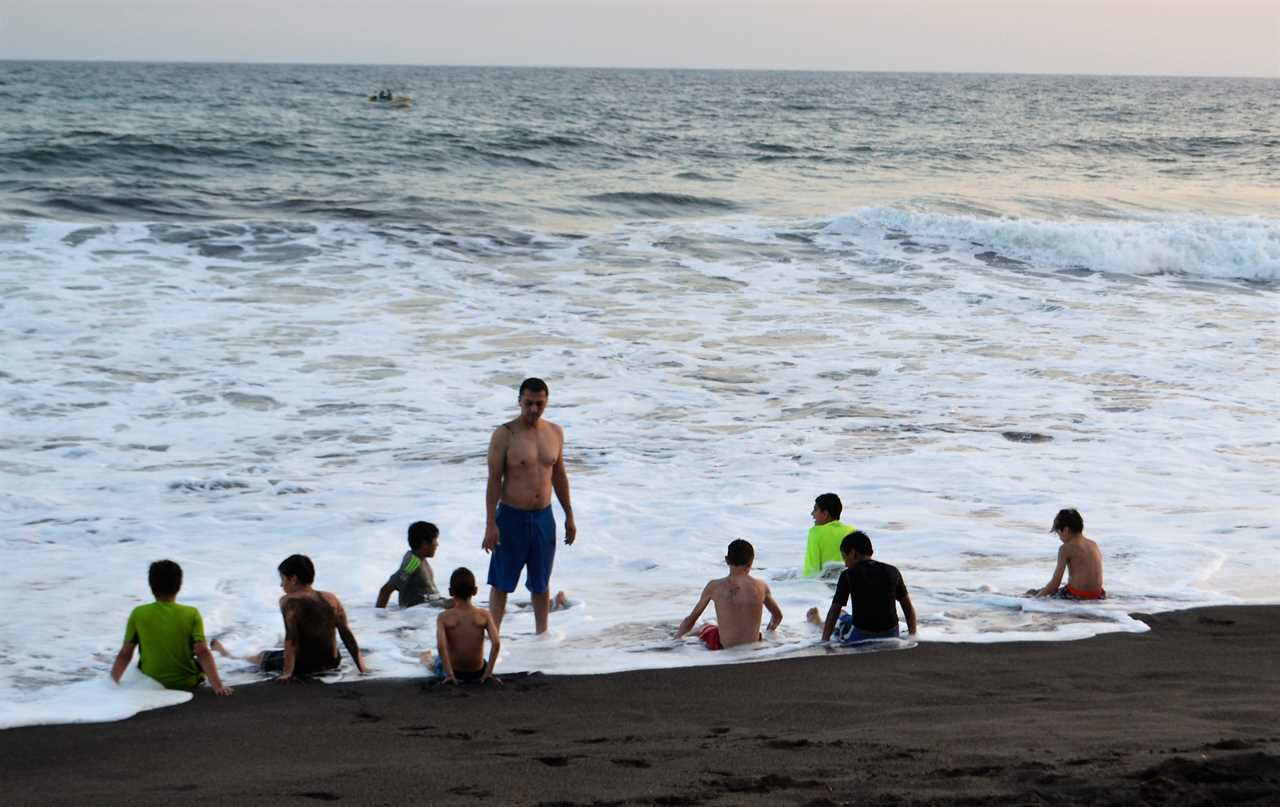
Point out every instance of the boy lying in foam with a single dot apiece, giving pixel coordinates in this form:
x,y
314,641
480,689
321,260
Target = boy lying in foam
x,y
1079,557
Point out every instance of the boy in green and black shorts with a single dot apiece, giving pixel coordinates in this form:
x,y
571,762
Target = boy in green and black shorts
x,y
170,636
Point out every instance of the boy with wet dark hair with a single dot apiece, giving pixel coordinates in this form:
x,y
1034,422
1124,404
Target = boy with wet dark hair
x,y
460,632
311,618
823,545
740,601
414,579
170,636
1079,557
873,590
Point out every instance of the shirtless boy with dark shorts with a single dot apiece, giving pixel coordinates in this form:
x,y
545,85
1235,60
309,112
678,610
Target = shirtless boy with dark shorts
x,y
740,600
311,618
460,632
1079,557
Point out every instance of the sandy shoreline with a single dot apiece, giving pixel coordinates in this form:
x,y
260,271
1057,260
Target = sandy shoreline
x,y
1188,713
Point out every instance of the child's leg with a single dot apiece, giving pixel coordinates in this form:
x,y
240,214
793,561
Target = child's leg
x,y
218,647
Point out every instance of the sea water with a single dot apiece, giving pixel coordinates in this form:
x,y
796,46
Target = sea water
x,y
245,312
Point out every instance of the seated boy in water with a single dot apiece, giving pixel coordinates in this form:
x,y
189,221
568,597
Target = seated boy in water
x,y
740,600
460,632
873,591
414,579
170,636
1079,557
823,544
310,620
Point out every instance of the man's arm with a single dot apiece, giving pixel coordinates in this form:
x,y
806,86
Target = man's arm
x,y
775,612
122,660
909,611
384,595
1052,585
497,461
348,638
692,618
837,602
442,647
495,642
290,643
560,484
205,659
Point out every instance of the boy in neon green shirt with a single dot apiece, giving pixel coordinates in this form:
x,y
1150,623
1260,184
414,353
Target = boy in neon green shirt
x,y
170,636
828,531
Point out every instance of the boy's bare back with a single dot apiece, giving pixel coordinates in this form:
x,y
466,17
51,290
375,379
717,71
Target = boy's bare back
x,y
1083,560
464,628
739,601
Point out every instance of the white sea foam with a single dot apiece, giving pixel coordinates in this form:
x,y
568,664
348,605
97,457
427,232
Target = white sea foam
x,y
1198,246
273,388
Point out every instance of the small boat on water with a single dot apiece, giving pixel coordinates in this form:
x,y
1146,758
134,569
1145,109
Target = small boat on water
x,y
385,97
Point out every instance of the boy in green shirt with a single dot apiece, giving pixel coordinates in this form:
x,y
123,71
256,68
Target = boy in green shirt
x,y
170,636
828,531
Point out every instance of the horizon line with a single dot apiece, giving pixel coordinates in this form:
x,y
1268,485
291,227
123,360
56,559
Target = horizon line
x,y
639,68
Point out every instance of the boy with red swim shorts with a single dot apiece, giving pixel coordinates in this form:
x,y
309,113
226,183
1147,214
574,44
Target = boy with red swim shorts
x,y
1079,557
740,601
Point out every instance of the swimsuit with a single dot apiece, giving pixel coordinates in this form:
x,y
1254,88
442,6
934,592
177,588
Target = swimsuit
x,y
1072,593
846,633
710,636
462,676
526,540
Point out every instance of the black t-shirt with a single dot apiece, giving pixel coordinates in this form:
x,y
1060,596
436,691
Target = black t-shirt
x,y
875,589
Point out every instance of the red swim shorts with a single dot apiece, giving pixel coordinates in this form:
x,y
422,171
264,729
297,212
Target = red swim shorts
x,y
710,635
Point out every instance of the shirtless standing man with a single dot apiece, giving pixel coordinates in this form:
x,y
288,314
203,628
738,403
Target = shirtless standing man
x,y
526,463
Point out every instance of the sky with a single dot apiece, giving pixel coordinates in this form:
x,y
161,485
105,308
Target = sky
x,y
1143,37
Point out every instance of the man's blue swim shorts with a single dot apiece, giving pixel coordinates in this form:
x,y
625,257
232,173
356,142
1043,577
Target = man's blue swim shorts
x,y
526,539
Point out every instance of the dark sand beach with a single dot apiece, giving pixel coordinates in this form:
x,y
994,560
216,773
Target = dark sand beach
x,y
1188,713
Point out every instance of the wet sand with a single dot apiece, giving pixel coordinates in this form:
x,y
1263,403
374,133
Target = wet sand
x,y
1188,713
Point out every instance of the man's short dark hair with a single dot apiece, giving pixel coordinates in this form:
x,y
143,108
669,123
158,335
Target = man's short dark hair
x,y
299,566
1069,520
857,541
165,578
532,385
462,583
830,503
422,532
740,553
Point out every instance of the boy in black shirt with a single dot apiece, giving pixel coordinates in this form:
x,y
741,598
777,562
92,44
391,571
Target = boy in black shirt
x,y
872,588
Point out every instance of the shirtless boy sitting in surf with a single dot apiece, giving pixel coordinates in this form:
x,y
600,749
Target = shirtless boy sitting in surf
x,y
740,600
460,632
310,620
1079,557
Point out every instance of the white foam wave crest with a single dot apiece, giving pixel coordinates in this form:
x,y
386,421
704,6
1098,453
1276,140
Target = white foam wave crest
x,y
1199,246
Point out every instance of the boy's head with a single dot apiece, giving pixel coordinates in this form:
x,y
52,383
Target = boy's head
x,y
740,553
165,578
856,546
462,584
1067,523
296,571
423,538
826,508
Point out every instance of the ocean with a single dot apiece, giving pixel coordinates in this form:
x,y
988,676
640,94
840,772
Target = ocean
x,y
246,312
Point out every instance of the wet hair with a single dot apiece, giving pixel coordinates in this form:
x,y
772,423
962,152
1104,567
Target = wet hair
x,y
299,566
857,541
462,583
165,578
740,553
1069,520
422,532
829,502
532,385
